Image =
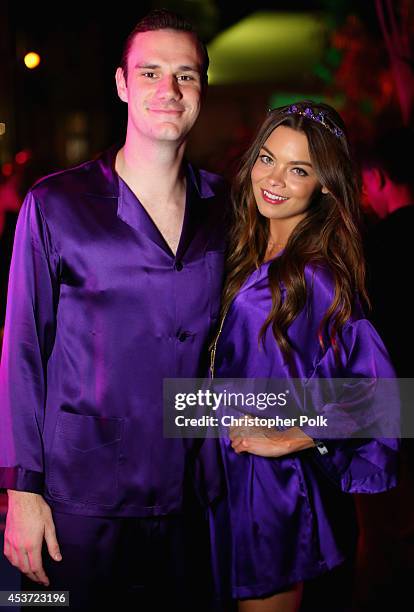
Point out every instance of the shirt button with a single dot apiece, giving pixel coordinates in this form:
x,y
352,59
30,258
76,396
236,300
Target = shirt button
x,y
178,266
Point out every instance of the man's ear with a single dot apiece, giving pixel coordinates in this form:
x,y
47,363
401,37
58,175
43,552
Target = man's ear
x,y
121,85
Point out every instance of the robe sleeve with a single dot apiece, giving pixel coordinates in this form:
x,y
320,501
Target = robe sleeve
x,y
359,461
28,342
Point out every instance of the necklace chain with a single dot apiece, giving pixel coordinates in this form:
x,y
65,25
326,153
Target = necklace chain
x,y
273,245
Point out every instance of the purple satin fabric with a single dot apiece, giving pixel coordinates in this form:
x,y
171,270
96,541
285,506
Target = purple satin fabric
x,y
285,513
122,563
100,311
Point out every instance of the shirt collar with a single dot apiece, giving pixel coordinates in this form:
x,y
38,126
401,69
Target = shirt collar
x,y
104,178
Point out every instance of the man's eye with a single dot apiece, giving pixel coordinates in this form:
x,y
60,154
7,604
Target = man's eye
x,y
150,75
185,77
266,159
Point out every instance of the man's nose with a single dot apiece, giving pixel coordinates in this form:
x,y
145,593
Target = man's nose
x,y
169,88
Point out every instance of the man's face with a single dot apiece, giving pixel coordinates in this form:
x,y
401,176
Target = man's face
x,y
164,85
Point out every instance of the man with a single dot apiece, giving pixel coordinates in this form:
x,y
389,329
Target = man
x,y
115,284
389,187
385,560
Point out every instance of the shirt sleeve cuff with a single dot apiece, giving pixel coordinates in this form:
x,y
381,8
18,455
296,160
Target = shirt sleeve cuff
x,y
20,479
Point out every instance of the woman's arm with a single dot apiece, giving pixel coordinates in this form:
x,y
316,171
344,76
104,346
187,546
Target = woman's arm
x,y
269,443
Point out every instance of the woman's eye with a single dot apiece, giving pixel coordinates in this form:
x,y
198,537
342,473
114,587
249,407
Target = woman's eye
x,y
266,159
300,171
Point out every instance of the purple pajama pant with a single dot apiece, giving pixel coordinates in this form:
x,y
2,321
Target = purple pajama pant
x,y
142,564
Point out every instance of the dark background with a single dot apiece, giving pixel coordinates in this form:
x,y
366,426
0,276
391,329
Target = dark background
x,y
67,110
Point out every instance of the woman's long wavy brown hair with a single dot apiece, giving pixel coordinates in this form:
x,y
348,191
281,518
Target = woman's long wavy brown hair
x,y
328,235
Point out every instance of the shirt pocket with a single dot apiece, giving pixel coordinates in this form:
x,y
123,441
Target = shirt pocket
x,y
85,458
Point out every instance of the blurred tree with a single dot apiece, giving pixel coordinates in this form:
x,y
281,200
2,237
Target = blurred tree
x,y
358,76
397,24
203,14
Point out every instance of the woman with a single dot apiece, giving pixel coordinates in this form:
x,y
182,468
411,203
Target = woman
x,y
291,310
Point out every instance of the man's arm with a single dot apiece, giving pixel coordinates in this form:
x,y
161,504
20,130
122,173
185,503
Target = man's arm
x,y
28,342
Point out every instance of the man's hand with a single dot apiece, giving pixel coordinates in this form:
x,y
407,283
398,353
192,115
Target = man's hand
x,y
269,442
29,520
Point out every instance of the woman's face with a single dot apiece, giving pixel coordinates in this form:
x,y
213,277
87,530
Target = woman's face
x,y
283,178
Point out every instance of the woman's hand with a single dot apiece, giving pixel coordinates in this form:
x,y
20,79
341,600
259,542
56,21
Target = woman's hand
x,y
269,442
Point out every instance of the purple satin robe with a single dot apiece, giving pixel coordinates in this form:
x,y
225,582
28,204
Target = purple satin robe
x,y
288,520
100,311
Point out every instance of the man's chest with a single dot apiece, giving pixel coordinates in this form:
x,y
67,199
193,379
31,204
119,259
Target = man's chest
x,y
169,222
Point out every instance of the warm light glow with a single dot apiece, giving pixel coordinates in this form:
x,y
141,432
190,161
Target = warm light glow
x,y
22,157
7,169
31,60
2,129
268,46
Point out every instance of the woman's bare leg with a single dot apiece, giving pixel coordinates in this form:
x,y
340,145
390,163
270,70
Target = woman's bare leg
x,y
288,601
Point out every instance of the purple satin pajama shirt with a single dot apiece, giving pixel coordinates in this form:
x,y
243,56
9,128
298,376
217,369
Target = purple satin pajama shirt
x,y
100,311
